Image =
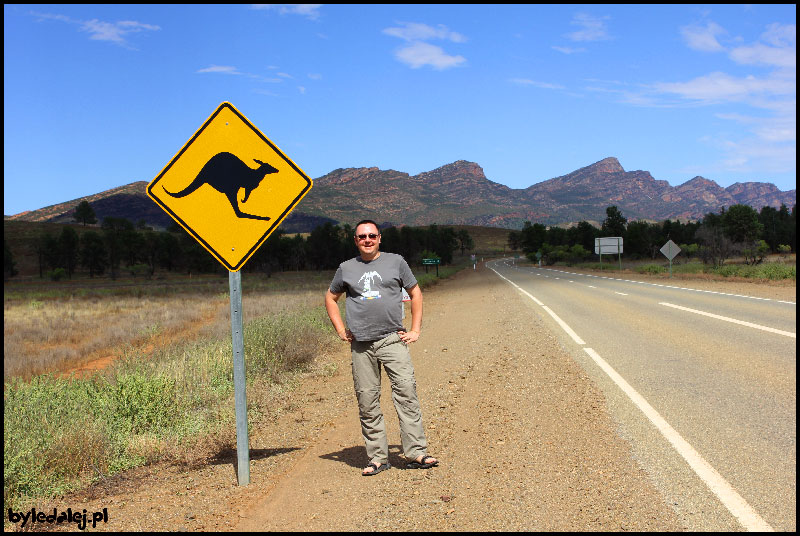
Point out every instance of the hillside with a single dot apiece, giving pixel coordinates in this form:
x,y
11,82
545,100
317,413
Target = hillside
x,y
460,193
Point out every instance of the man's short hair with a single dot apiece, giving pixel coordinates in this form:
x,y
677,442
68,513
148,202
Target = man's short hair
x,y
362,222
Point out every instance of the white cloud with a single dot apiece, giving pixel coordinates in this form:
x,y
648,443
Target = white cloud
x,y
760,54
592,28
534,83
418,52
115,32
703,38
781,35
720,87
415,31
568,50
223,69
307,10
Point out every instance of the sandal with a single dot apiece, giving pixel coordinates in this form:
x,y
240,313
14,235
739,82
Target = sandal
x,y
421,464
378,468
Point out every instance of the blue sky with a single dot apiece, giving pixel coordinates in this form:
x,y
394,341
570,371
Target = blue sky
x,y
98,96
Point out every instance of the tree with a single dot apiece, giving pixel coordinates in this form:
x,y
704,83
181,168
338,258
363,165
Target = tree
x,y
755,251
68,248
741,224
9,266
93,253
716,245
532,237
464,240
615,222
84,213
116,232
639,239
47,251
577,253
583,234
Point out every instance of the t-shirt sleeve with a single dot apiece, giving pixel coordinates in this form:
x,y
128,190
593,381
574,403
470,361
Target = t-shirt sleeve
x,y
406,275
337,285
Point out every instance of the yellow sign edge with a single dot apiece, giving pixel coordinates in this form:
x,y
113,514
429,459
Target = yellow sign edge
x,y
278,220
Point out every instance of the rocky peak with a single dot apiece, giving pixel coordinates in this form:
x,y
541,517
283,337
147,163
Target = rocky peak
x,y
606,165
699,183
459,168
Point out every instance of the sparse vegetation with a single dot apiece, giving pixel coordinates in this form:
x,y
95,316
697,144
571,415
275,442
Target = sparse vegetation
x,y
63,432
170,401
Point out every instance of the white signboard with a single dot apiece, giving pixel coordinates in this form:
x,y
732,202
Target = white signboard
x,y
607,245
670,250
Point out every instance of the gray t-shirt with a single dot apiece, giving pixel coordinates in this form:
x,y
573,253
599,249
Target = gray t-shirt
x,y
374,306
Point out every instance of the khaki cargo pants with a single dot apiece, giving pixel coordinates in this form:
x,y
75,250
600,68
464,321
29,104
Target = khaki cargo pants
x,y
391,353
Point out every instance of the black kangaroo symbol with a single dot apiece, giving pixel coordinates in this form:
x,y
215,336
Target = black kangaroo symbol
x,y
227,174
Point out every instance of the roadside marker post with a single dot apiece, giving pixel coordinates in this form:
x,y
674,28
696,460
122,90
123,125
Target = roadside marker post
x,y
670,250
199,189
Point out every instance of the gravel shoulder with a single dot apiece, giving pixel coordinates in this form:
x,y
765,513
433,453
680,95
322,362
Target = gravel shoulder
x,y
524,439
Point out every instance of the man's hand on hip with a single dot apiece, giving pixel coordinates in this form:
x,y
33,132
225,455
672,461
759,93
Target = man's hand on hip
x,y
408,336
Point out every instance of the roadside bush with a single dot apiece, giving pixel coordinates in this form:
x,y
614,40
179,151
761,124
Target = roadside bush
x,y
57,275
140,270
651,269
51,437
283,343
142,402
772,271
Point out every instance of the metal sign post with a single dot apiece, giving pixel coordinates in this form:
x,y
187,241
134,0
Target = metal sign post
x,y
239,380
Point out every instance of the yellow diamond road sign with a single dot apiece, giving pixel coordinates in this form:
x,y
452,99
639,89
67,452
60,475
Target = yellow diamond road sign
x,y
229,187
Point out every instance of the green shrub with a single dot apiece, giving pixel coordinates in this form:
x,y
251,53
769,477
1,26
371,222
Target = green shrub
x,y
777,271
51,437
651,269
142,402
771,271
140,270
57,275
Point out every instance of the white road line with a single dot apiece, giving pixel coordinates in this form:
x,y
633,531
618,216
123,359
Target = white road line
x,y
671,286
531,296
733,320
564,326
734,502
518,287
620,293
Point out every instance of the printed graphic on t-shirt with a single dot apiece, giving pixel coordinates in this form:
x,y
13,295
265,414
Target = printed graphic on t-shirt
x,y
368,293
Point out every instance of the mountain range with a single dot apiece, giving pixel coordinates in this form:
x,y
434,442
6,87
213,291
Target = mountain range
x,y
460,194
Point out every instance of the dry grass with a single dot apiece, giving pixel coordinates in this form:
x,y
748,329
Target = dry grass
x,y
60,335
54,335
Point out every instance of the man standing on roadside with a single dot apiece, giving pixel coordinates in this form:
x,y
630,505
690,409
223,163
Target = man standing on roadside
x,y
373,282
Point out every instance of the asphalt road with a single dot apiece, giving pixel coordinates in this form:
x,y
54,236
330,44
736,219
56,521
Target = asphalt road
x,y
702,384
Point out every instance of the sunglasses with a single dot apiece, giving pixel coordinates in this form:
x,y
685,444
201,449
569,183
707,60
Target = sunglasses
x,y
372,236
